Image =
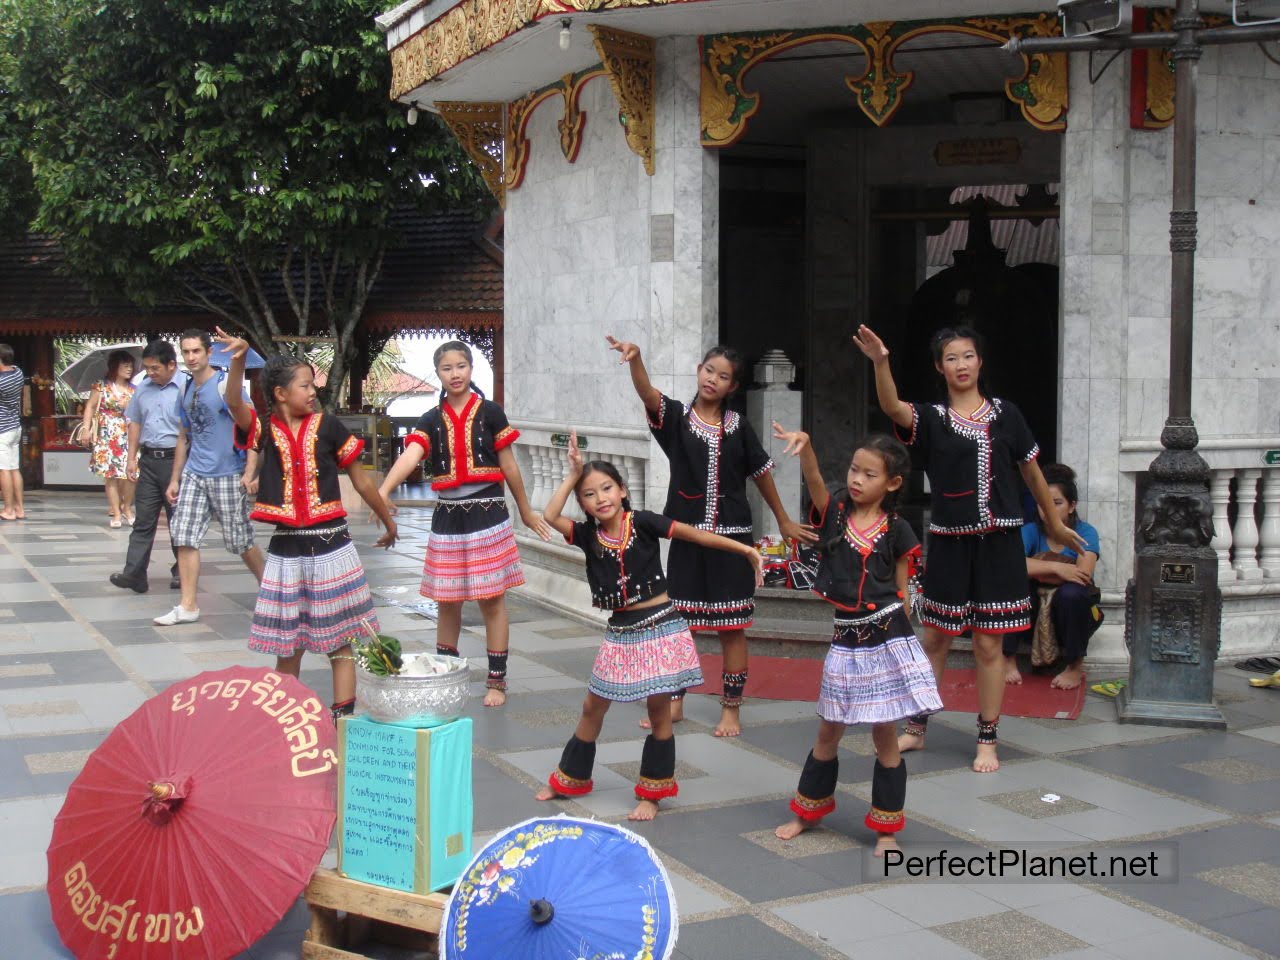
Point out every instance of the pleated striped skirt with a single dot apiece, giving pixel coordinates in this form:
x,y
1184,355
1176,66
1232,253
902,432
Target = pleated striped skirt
x,y
471,554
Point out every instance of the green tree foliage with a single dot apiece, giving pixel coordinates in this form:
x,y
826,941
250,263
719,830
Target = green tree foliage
x,y
238,155
17,193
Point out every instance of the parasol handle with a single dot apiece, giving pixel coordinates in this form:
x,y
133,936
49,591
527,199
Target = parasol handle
x,y
541,911
163,799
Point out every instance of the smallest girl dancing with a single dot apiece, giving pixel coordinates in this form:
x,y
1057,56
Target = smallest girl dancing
x,y
876,671
648,652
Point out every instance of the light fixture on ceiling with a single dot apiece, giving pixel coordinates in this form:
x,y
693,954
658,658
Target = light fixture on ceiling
x,y
412,116
1087,18
566,38
1252,13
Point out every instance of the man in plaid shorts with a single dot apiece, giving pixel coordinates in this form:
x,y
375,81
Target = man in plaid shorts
x,y
210,478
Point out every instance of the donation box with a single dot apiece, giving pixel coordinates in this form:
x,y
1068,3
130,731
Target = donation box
x,y
404,803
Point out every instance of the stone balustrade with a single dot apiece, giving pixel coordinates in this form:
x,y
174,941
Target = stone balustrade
x,y
1248,548
542,453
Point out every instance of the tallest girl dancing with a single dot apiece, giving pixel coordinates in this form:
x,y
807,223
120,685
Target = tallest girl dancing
x,y
975,577
713,453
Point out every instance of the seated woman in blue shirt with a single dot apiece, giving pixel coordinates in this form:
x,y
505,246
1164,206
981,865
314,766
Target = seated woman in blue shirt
x,y
1074,605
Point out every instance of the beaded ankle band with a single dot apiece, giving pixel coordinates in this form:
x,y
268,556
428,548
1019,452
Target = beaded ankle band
x,y
987,730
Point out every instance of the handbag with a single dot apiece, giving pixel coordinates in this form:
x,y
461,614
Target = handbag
x,y
82,437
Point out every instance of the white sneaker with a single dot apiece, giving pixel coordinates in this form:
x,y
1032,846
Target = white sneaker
x,y
177,615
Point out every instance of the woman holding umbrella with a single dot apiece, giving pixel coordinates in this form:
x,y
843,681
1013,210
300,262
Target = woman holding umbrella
x,y
109,444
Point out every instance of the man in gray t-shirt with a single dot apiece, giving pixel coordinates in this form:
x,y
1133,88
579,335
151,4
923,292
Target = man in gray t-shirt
x,y
12,400
209,478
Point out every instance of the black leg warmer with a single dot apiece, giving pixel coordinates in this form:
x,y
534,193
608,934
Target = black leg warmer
x,y
657,769
888,798
816,795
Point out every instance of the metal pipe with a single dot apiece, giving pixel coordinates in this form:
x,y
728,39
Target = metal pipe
x,y
1162,39
1182,219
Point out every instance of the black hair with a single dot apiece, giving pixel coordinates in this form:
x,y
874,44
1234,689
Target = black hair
x,y
1064,478
279,372
461,348
161,350
938,346
114,359
195,333
6,354
735,363
897,463
610,471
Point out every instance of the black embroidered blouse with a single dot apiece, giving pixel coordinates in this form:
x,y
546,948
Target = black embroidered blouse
x,y
463,447
972,463
627,570
298,484
857,570
710,467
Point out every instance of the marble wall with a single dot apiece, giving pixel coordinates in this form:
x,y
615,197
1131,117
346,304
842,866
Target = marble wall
x,y
1116,280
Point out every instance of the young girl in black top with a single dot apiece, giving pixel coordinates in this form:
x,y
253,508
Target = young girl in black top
x,y
313,595
471,554
875,672
713,452
648,652
975,577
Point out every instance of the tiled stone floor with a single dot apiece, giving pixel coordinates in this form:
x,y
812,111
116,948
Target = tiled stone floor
x,y
77,655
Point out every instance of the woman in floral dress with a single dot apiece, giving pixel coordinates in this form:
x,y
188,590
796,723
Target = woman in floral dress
x,y
110,449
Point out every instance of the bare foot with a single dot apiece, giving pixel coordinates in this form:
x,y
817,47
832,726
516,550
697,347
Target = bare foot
x,y
546,793
729,725
8,515
494,698
1069,678
986,760
645,810
677,714
1011,674
792,829
910,741
886,841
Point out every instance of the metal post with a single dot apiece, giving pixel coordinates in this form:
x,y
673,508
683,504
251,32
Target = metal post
x,y
1173,607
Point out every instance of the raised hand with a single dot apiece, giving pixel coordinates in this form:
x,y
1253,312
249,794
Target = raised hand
x,y
795,440
872,347
236,346
575,455
629,351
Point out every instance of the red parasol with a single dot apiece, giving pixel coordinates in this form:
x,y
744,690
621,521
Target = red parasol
x,y
194,827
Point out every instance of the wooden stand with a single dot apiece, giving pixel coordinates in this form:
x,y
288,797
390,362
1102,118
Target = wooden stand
x,y
380,914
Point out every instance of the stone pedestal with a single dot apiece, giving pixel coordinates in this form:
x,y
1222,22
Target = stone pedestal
x,y
774,400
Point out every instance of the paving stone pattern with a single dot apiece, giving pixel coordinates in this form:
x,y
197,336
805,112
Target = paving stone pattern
x,y
77,655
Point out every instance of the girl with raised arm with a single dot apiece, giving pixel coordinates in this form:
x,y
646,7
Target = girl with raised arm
x,y
876,672
978,451
313,594
713,452
647,653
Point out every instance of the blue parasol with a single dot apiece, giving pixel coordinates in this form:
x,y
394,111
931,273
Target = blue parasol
x,y
220,357
557,887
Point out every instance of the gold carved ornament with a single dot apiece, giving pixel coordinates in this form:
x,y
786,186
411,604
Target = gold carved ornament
x,y
630,63
1152,75
570,125
479,129
879,90
476,25
1041,92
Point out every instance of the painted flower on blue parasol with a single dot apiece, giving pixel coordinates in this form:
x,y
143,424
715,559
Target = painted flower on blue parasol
x,y
561,887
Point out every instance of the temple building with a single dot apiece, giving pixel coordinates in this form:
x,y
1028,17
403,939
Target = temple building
x,y
772,173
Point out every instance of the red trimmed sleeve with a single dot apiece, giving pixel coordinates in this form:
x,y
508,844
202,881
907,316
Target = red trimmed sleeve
x,y
350,451
420,438
251,440
665,425
506,437
913,436
504,434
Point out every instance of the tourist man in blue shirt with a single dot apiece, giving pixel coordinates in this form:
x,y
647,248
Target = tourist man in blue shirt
x,y
153,425
209,477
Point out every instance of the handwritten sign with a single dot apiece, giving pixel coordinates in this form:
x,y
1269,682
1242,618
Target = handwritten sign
x,y
406,805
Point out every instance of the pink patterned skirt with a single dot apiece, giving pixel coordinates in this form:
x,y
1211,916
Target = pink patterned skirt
x,y
471,554
645,652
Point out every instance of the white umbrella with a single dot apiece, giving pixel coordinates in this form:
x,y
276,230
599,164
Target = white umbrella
x,y
92,367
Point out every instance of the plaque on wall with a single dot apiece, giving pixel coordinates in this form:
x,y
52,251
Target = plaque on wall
x,y
977,152
1175,628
